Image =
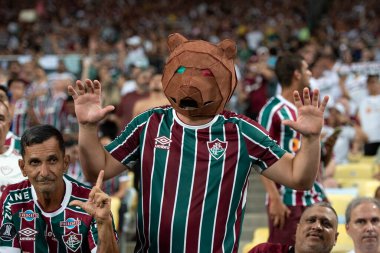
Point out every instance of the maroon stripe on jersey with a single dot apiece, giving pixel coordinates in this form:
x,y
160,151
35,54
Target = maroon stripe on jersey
x,y
26,244
316,197
130,143
275,129
299,195
18,127
79,191
52,244
226,189
146,175
170,190
239,212
8,141
198,192
264,154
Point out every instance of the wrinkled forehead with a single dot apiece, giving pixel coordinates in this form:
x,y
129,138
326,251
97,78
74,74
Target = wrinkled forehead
x,y
319,212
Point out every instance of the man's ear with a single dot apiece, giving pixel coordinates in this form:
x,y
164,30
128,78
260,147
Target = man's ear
x,y
336,237
66,162
21,164
297,74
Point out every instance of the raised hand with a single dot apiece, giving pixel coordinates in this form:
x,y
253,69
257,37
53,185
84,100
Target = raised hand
x,y
88,103
98,204
310,113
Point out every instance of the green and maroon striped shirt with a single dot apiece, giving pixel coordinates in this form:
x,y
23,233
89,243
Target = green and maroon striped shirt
x,y
270,117
193,178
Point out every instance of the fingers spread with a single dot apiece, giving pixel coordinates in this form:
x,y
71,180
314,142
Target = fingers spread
x,y
297,99
315,97
97,87
81,89
324,103
306,96
72,92
90,86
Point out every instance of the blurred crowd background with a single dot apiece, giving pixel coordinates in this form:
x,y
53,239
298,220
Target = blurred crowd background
x,y
47,44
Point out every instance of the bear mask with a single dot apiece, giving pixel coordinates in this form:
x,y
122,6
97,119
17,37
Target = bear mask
x,y
199,77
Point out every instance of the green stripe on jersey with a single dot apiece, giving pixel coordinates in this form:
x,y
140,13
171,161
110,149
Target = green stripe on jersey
x,y
156,193
289,133
215,172
240,176
265,115
186,179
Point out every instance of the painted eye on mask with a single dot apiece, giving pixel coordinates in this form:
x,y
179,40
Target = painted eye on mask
x,y
206,72
181,70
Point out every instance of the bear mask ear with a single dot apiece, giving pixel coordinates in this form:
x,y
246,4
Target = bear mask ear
x,y
229,48
174,40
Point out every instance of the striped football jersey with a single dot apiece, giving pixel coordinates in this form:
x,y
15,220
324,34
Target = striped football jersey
x,y
193,178
270,117
26,227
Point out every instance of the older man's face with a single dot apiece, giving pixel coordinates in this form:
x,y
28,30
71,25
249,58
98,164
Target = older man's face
x,y
317,230
364,227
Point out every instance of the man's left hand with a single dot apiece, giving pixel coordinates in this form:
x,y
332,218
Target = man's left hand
x,y
310,113
98,204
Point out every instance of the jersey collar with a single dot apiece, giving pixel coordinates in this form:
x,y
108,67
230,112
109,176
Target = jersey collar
x,y
64,203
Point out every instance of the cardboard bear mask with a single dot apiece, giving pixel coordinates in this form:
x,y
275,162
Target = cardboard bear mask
x,y
199,77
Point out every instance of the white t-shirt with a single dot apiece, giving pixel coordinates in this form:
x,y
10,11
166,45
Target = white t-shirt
x,y
369,113
328,85
10,172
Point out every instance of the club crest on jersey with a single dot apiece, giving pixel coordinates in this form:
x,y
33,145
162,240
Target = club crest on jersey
x,y
72,241
162,142
6,170
217,148
70,223
28,215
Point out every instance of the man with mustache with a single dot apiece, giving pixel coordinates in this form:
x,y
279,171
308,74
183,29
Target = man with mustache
x,y
316,232
47,212
363,224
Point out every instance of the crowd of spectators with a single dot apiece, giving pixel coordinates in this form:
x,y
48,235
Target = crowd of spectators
x,y
46,45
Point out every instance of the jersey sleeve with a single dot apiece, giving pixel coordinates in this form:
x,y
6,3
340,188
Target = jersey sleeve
x,y
262,149
126,147
9,241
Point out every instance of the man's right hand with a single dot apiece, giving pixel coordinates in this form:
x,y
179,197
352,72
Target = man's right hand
x,y
278,212
88,102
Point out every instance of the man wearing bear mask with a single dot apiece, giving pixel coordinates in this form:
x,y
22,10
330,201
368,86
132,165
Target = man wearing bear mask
x,y
194,156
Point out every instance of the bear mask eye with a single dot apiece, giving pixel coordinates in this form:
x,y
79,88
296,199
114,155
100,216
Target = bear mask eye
x,y
206,72
181,70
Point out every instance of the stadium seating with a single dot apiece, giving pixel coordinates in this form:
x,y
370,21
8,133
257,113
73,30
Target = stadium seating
x,y
367,188
339,199
344,243
260,235
354,171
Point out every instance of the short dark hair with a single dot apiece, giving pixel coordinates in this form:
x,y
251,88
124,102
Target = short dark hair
x,y
40,133
11,81
372,76
323,204
285,66
358,201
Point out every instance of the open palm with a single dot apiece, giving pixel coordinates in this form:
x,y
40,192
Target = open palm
x,y
310,113
87,100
